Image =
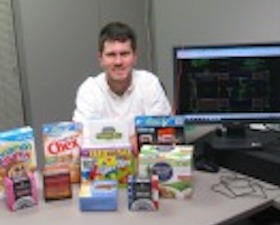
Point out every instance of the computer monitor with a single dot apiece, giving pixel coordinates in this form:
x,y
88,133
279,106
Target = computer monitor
x,y
233,85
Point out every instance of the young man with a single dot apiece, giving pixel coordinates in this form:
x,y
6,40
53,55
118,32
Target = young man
x,y
120,92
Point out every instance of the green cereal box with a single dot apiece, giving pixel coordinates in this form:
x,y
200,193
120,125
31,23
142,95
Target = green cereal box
x,y
172,164
17,152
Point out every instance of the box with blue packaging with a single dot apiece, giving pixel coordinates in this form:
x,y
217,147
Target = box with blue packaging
x,y
160,130
99,195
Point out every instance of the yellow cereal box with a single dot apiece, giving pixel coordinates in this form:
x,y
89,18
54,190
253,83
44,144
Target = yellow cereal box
x,y
61,142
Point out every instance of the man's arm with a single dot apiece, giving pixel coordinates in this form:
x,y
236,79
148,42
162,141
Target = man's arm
x,y
156,102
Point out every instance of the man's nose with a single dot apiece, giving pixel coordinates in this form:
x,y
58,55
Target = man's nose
x,y
118,59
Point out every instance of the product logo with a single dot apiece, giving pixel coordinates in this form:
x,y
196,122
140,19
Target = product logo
x,y
59,146
109,133
163,170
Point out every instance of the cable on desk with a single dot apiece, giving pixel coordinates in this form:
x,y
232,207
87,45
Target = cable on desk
x,y
234,185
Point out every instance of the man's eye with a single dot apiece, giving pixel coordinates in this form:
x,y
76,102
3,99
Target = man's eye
x,y
111,55
125,53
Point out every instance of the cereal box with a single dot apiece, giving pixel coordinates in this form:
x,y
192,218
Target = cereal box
x,y
17,153
62,142
172,164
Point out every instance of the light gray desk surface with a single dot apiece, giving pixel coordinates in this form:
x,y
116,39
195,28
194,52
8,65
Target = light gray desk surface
x,y
206,207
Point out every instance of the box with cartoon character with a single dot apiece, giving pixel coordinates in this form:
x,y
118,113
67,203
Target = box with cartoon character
x,y
102,163
17,153
106,152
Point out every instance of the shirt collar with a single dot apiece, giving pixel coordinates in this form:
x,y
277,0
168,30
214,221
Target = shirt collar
x,y
127,92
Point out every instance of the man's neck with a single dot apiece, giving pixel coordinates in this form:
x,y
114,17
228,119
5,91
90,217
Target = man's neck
x,y
119,87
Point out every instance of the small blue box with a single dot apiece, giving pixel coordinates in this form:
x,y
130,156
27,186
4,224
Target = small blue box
x,y
100,195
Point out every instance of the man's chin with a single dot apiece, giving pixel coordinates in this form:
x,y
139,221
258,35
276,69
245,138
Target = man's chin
x,y
120,77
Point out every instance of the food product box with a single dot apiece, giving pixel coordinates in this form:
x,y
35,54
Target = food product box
x,y
172,164
143,193
21,191
105,162
158,130
57,183
17,153
100,195
62,144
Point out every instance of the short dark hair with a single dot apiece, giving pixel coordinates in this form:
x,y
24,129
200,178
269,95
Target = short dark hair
x,y
117,31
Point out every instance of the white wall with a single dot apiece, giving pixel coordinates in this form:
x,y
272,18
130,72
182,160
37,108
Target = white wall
x,y
202,22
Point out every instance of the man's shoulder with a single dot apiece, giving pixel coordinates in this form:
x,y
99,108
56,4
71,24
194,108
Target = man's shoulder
x,y
93,79
92,83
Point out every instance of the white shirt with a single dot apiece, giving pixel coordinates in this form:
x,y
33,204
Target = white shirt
x,y
145,96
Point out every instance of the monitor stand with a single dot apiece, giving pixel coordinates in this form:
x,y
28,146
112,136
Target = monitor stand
x,y
214,151
238,137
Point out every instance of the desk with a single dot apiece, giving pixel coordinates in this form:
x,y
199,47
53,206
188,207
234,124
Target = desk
x,y
206,207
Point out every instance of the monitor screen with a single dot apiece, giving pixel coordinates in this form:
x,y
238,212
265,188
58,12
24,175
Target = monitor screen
x,y
228,82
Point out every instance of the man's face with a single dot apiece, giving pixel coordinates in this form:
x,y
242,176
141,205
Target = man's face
x,y
118,60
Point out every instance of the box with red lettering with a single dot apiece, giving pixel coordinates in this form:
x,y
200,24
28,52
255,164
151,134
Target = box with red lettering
x,y
62,144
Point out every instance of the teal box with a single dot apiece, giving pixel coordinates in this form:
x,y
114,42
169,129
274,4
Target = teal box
x,y
99,195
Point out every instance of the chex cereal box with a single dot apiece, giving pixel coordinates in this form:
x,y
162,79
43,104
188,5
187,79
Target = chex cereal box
x,y
172,164
17,153
107,162
62,144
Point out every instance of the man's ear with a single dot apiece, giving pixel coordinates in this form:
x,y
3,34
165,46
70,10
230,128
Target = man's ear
x,y
99,57
135,58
